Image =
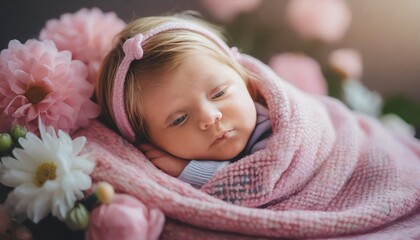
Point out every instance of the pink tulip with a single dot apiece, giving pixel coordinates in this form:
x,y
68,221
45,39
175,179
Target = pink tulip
x,y
125,218
226,11
347,63
300,70
325,20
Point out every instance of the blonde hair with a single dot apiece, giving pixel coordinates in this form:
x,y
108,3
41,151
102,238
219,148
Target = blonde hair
x,y
162,53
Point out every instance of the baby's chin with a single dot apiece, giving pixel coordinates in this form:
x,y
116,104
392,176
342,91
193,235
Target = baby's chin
x,y
221,155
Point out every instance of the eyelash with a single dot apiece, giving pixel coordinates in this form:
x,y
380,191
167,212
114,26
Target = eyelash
x,y
179,120
182,119
219,94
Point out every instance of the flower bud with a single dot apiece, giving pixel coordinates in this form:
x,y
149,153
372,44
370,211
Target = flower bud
x,y
5,142
77,218
17,132
104,192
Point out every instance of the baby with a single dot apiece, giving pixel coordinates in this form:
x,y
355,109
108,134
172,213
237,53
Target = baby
x,y
172,86
306,164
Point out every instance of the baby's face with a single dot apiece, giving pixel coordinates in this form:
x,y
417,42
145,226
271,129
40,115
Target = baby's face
x,y
200,110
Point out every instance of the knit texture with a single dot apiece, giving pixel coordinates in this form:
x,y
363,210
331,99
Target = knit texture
x,y
325,172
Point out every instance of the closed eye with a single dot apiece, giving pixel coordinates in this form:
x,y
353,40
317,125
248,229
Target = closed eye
x,y
179,120
219,94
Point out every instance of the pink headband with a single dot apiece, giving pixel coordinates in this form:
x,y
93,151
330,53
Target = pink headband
x,y
133,51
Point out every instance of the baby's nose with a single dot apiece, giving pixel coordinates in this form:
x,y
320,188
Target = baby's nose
x,y
209,117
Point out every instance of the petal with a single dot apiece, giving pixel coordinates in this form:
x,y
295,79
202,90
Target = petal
x,y
59,208
51,186
65,143
41,127
67,110
11,104
12,163
23,78
13,178
15,205
20,199
32,113
22,110
48,84
63,162
70,198
35,151
51,131
39,71
28,161
28,188
83,163
84,180
78,145
31,142
41,207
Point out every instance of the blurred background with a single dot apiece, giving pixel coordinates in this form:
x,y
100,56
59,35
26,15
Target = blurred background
x,y
380,39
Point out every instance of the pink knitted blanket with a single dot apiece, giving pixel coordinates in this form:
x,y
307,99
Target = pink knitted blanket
x,y
325,172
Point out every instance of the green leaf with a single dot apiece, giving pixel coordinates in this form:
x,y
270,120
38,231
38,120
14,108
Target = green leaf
x,y
334,84
403,107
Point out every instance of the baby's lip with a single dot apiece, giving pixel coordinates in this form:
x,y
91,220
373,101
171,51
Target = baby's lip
x,y
222,136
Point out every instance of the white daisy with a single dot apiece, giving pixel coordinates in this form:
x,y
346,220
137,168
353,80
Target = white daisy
x,y
361,99
396,124
47,174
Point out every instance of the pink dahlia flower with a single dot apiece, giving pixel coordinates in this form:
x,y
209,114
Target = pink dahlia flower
x,y
325,20
88,34
38,80
226,11
347,63
125,218
300,70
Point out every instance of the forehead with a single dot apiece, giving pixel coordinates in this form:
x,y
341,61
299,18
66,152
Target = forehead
x,y
194,70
